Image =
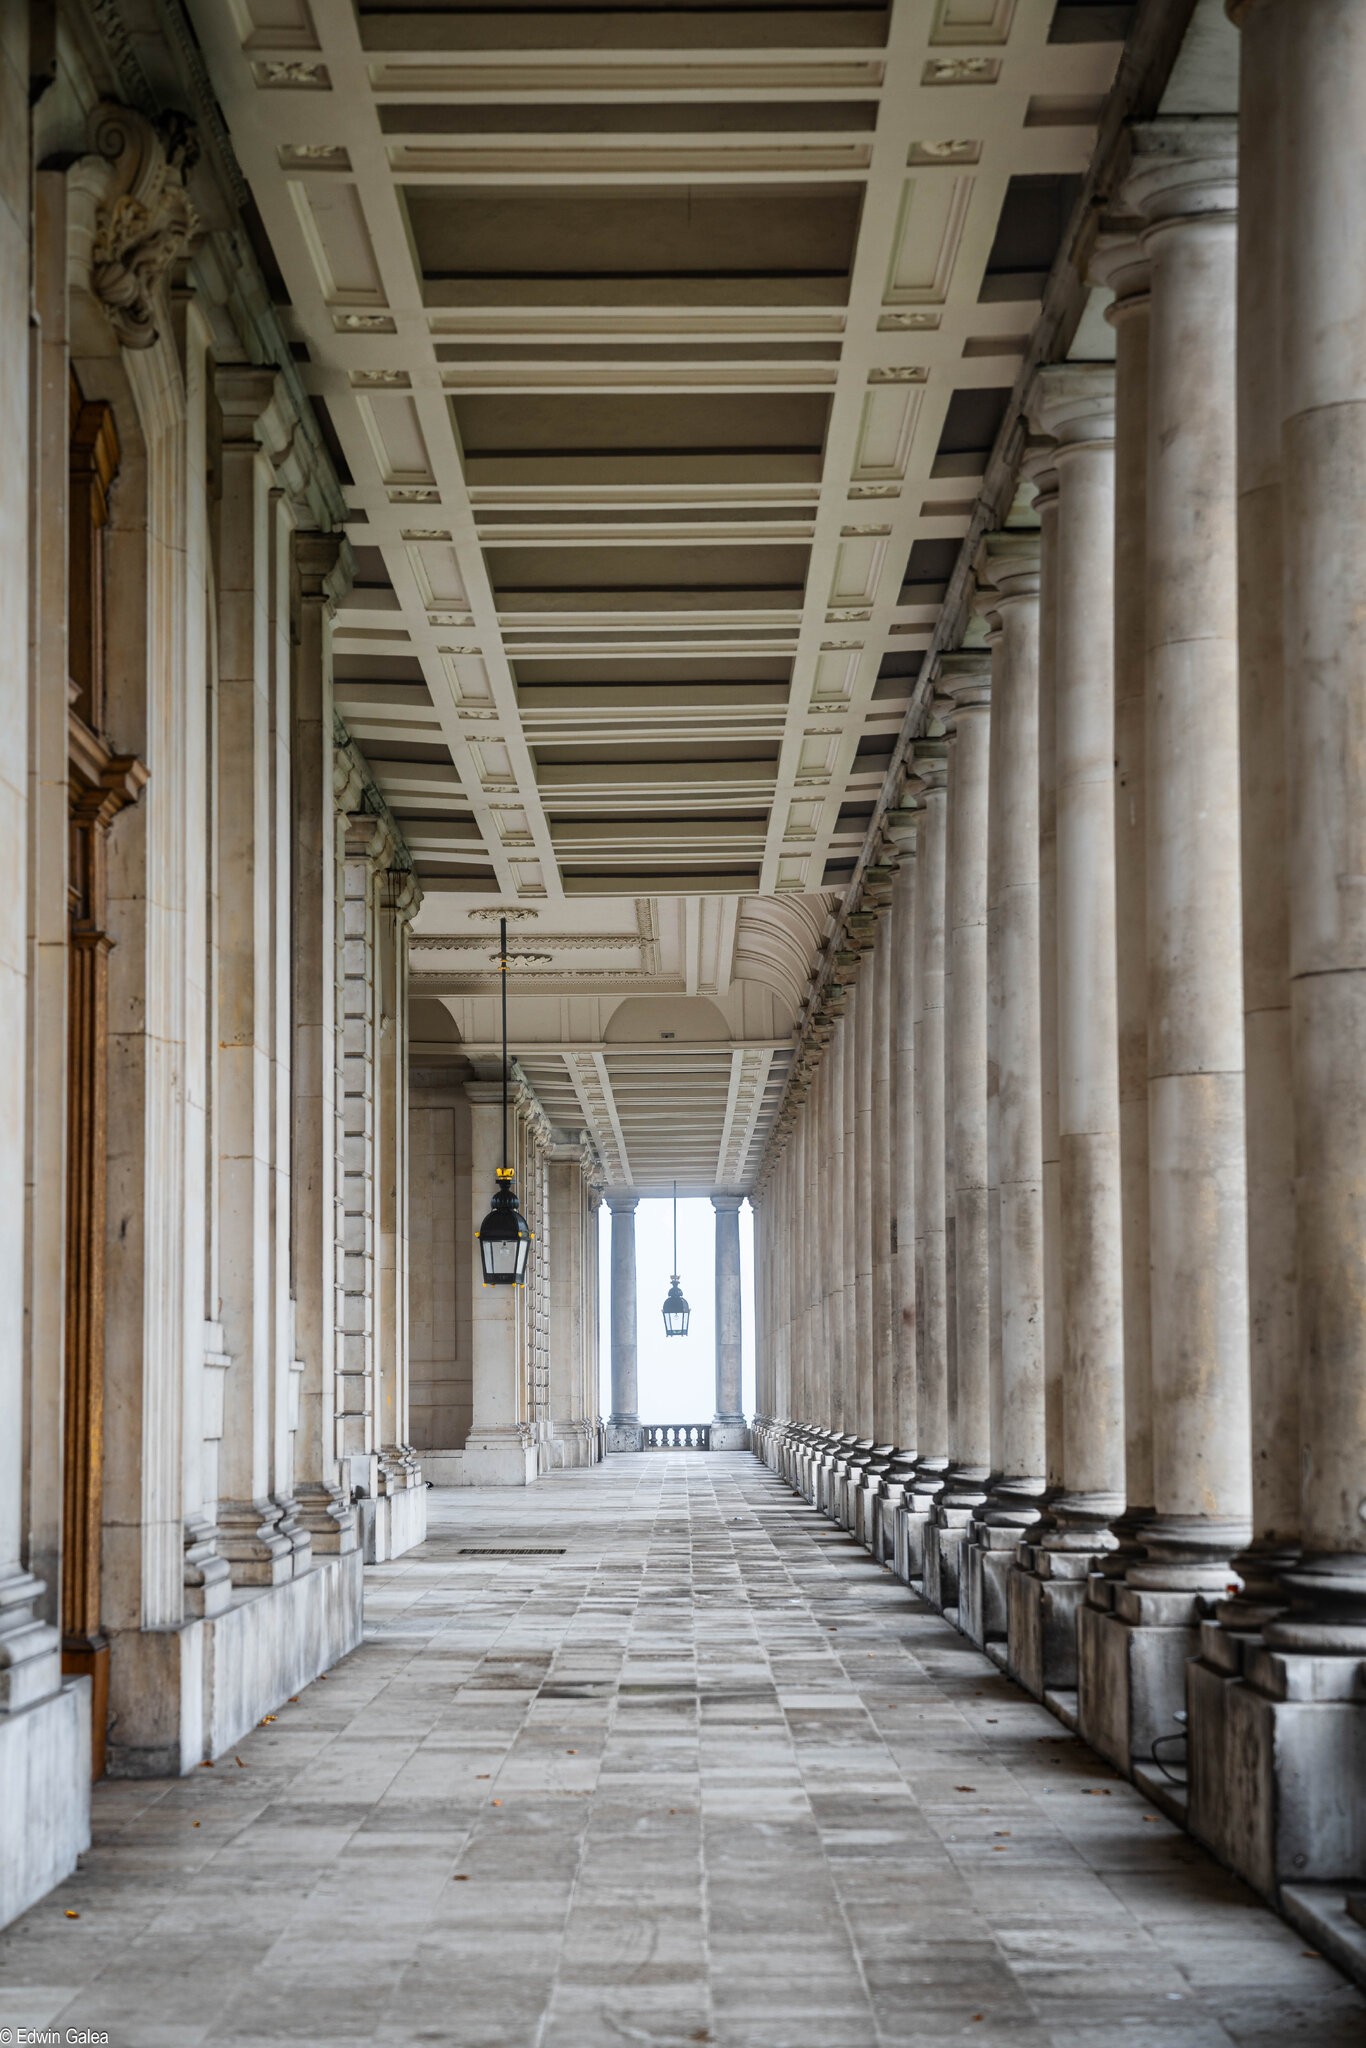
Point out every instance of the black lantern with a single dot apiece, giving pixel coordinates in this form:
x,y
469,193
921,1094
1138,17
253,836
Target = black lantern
x,y
676,1310
504,1235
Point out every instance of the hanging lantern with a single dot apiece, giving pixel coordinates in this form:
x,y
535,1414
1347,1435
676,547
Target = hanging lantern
x,y
676,1310
504,1235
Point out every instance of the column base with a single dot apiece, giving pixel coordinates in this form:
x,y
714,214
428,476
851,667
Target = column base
x,y
180,1695
249,1537
983,1602
572,1445
497,1458
395,1521
1132,1650
730,1433
624,1433
1044,1591
1278,1757
44,1795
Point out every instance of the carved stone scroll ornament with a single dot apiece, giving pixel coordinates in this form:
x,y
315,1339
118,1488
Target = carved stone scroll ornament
x,y
144,220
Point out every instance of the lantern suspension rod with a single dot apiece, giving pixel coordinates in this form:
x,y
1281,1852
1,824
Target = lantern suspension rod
x,y
503,973
675,1226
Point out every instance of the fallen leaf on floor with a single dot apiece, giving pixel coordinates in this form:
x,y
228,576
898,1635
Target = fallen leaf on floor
x,y
1312,1952
1096,1791
571,1752
495,1802
485,1775
1150,1816
461,1877
294,1699
991,1720
965,1788
700,2034
195,1823
265,1720
70,1915
998,1848
207,1764
239,1763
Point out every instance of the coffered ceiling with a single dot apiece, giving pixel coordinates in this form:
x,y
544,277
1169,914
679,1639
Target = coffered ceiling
x,y
661,350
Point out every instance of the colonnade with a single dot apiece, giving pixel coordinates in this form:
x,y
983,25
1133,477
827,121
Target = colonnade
x,y
1114,1422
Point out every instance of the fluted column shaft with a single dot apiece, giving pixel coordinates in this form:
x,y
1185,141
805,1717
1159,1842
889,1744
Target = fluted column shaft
x,y
1183,181
966,680
1017,1393
1075,406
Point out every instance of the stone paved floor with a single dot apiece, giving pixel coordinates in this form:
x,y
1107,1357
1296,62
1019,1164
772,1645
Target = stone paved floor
x,y
711,1775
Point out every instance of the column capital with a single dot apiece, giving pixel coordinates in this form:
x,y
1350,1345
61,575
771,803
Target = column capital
x,y
1119,263
1010,565
1038,468
1183,169
965,682
724,1204
621,1205
1074,403
326,565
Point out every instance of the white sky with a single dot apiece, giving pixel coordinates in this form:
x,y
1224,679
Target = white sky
x,y
677,1374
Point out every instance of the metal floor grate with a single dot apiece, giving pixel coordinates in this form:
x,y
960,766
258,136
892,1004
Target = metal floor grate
x,y
511,1550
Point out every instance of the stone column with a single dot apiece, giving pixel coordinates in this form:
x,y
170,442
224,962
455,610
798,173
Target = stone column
x,y
965,680
323,1504
1222,1709
865,1006
832,1209
1122,262
1037,467
880,1194
906,827
1314,1652
1074,404
1183,182
931,1268
400,1478
728,1430
1011,564
849,1199
258,1550
569,1286
901,828
623,1425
